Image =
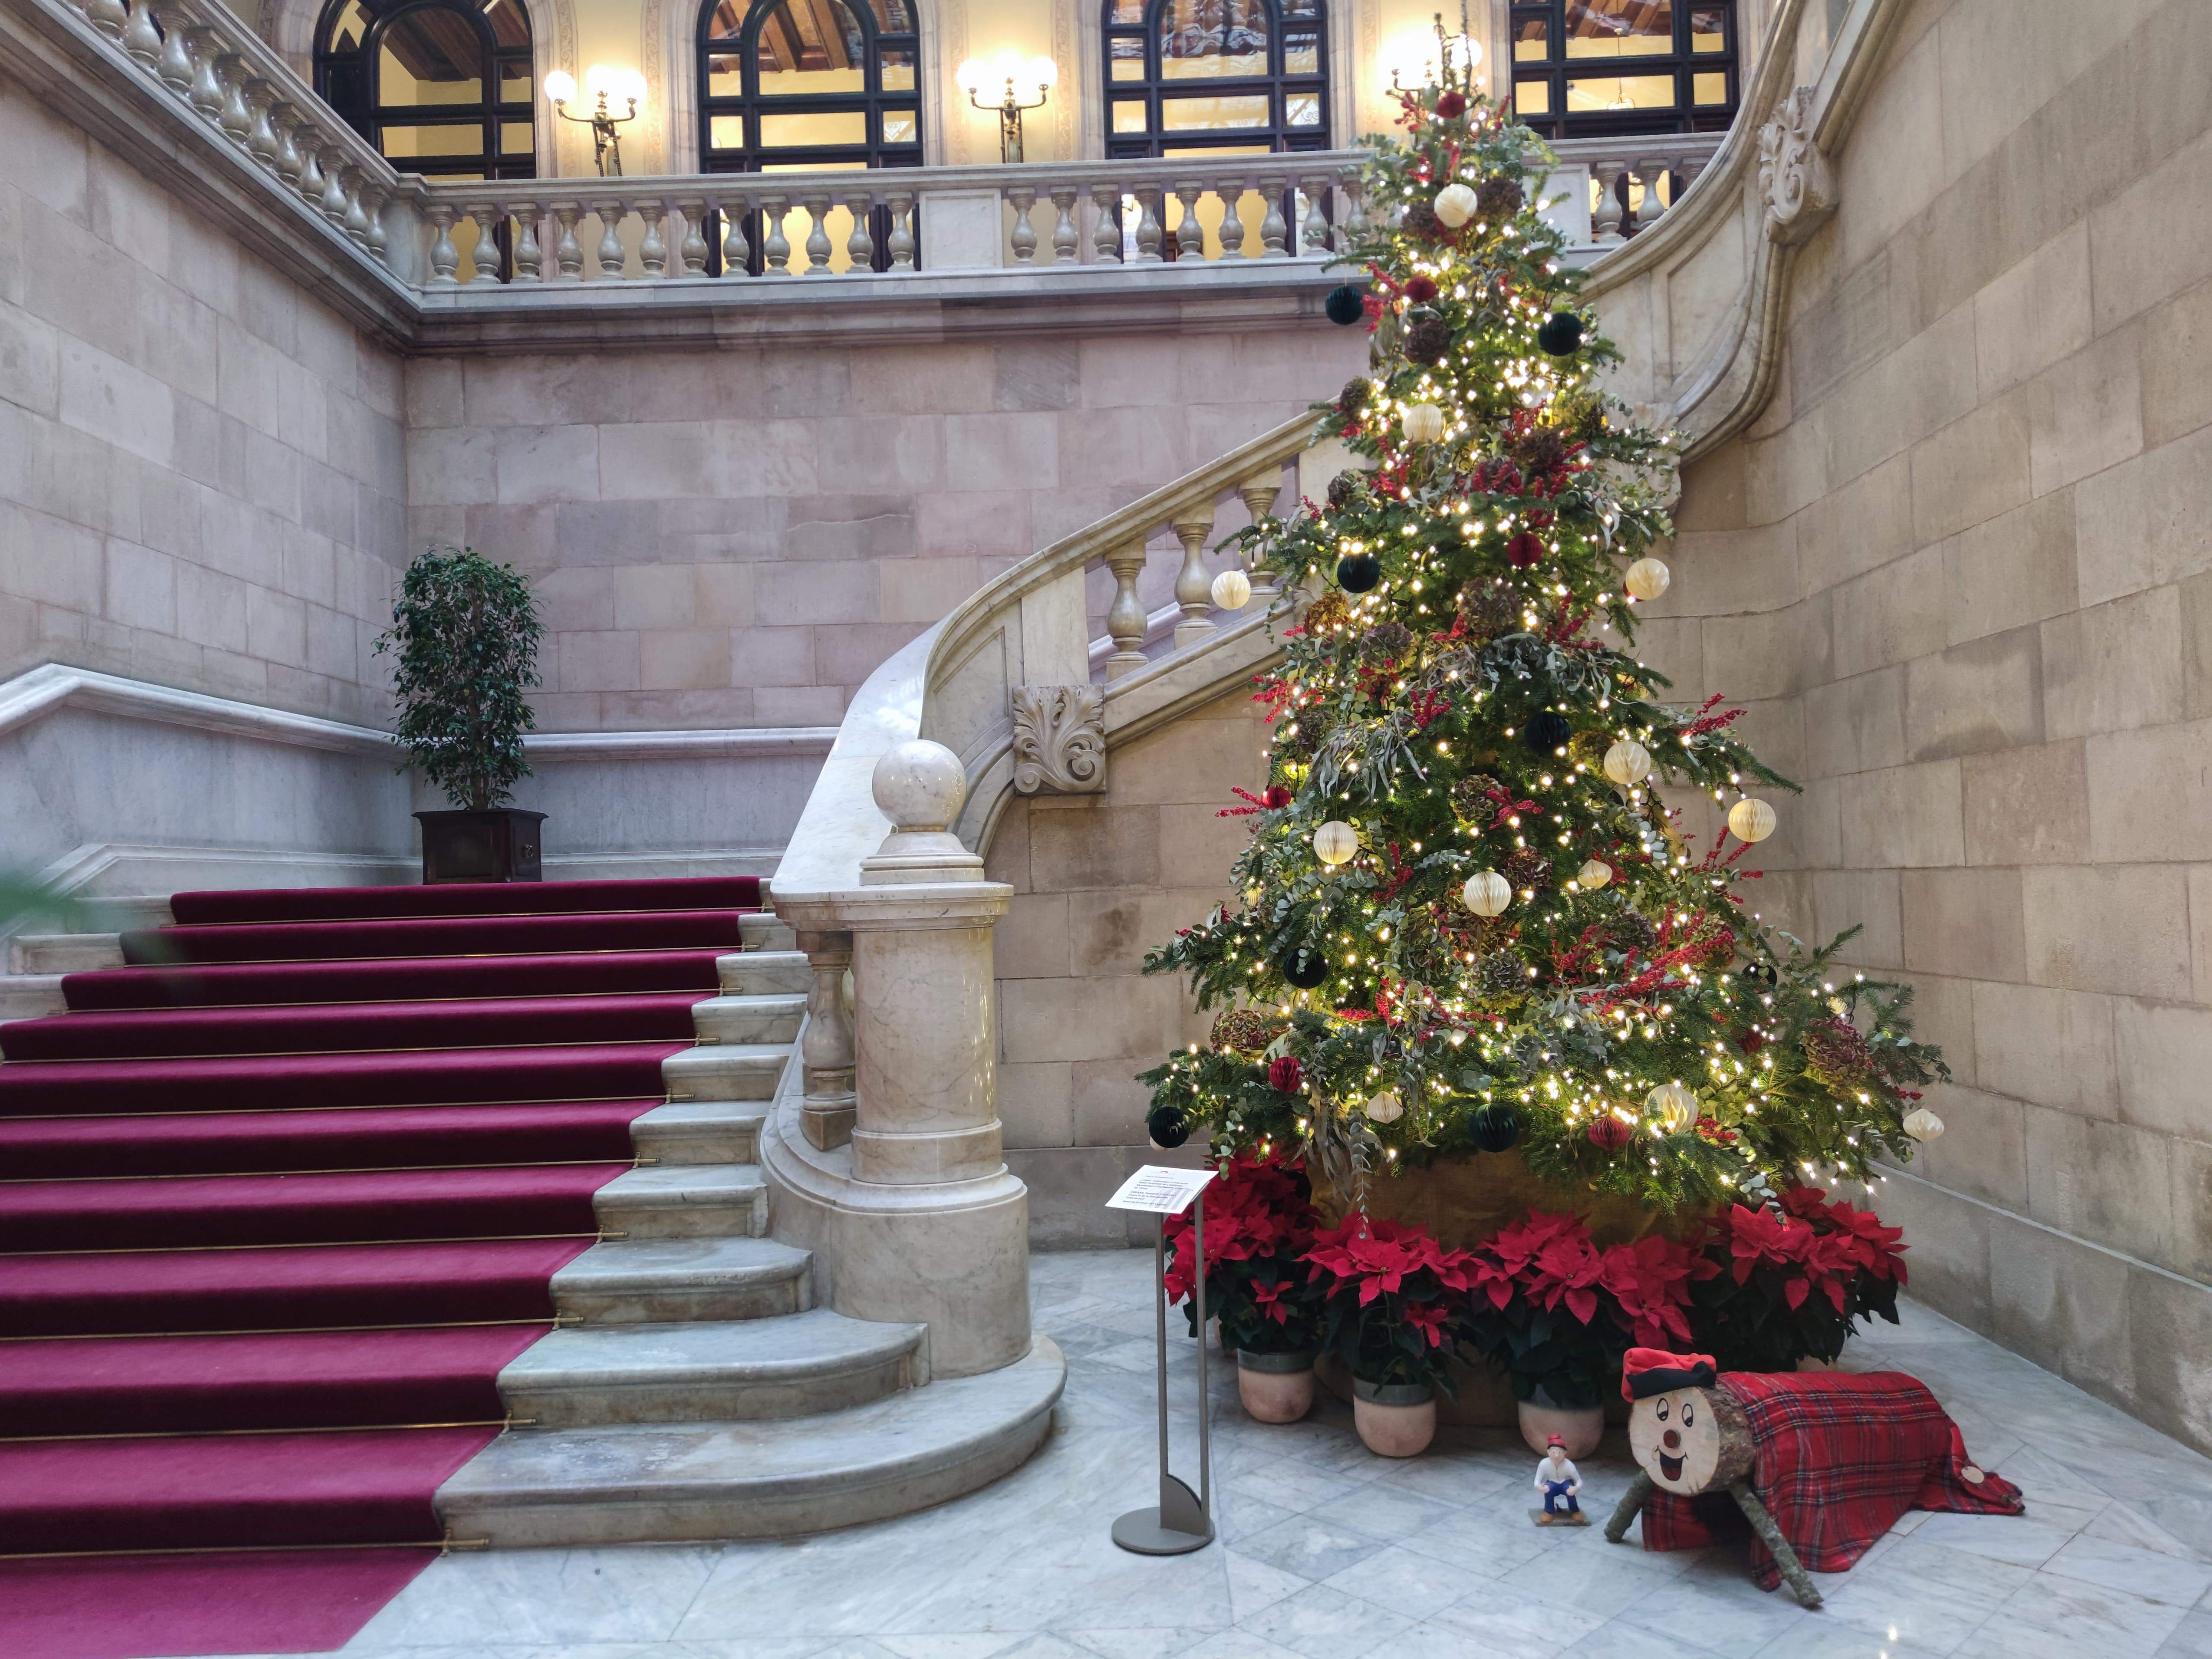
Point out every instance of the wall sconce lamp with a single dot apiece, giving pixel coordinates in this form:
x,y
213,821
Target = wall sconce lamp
x,y
1435,58
604,82
1038,72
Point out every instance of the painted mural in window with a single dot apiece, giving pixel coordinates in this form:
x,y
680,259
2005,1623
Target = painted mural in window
x,y
1215,76
1590,68
441,87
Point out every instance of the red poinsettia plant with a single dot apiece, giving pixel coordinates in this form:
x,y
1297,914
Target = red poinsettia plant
x,y
1555,1312
1260,1219
1393,1301
1790,1279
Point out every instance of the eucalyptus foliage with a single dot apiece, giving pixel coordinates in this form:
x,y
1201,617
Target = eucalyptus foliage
x,y
465,632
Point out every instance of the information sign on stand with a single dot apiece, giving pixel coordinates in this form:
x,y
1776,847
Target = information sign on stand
x,y
1184,1521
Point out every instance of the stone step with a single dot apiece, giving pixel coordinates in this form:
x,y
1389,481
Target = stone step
x,y
763,973
755,1019
724,1071
656,1280
716,1372
760,930
701,1131
667,1482
64,953
32,996
715,1200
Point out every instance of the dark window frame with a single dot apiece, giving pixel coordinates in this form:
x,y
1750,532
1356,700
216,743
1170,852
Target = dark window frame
x,y
871,102
1276,85
1684,116
347,82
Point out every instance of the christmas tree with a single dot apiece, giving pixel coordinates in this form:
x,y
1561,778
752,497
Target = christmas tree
x,y
1470,920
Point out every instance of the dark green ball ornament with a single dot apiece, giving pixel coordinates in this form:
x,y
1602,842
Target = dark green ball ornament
x,y
1346,304
1357,571
1305,967
1495,1127
1560,334
1548,729
1167,1126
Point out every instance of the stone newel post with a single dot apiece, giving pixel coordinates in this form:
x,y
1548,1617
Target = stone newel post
x,y
926,1087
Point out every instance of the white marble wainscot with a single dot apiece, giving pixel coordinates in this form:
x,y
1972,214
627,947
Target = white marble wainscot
x,y
1331,1553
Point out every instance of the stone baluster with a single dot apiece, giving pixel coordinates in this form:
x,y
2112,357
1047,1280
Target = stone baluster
x,y
900,243
1313,230
485,254
1650,173
691,246
653,247
260,132
371,198
233,117
818,247
736,253
529,257
1231,192
331,204
141,38
1022,198
1259,493
568,252
1066,241
1189,237
310,146
1106,232
206,94
610,253
860,245
175,68
445,258
1194,587
1686,173
1126,617
108,16
1274,234
776,246
355,219
288,122
826,1053
1605,222
1149,233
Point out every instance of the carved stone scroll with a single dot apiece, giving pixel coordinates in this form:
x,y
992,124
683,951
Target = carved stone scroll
x,y
1794,178
1059,739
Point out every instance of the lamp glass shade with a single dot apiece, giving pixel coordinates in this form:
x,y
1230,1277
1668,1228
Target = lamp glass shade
x,y
559,85
973,75
1042,73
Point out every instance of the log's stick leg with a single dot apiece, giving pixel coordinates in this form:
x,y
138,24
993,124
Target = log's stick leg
x,y
1632,1500
1770,1535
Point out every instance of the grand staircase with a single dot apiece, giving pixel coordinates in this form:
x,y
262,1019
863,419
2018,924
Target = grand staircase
x,y
406,1216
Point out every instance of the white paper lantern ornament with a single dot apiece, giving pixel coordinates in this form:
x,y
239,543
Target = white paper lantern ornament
x,y
1487,894
1647,580
1628,763
1232,590
1385,1108
1673,1108
1336,841
1422,423
1751,819
1921,1124
1455,205
1595,874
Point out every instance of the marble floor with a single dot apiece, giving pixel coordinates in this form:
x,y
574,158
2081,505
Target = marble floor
x,y
1331,1553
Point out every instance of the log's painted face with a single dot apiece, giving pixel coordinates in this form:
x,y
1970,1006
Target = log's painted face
x,y
1676,1437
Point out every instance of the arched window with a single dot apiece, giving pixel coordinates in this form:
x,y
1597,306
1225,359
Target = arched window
x,y
808,83
441,87
1246,77
1588,69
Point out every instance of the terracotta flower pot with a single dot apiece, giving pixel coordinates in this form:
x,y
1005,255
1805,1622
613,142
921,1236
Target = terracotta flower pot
x,y
1275,1388
1395,1419
1580,1426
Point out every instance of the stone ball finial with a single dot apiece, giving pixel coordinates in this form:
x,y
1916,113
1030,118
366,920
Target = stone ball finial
x,y
920,786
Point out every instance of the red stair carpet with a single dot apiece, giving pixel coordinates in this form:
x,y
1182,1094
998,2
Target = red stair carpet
x,y
277,1201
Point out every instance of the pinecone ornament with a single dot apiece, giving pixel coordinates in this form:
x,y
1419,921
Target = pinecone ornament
x,y
1386,642
1353,399
1497,200
1428,336
1631,932
1540,451
1488,608
1527,868
1348,491
1474,797
1836,1056
1245,1031
1419,219
1501,974
1327,612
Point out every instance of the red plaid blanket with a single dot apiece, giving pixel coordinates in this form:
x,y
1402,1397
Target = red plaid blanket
x,y
1840,1457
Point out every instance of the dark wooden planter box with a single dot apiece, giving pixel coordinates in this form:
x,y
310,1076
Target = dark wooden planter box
x,y
502,845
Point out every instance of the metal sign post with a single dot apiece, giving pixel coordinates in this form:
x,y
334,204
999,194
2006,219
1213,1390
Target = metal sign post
x,y
1183,1520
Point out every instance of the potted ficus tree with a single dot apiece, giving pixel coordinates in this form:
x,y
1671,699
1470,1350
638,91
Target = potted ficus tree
x,y
465,632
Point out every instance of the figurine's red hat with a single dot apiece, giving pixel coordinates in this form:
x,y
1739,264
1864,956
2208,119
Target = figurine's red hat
x,y
1554,1440
1647,1371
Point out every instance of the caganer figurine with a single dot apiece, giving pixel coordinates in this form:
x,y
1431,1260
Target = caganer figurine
x,y
1558,1480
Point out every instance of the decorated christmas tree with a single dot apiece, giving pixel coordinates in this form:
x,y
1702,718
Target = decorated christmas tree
x,y
1469,918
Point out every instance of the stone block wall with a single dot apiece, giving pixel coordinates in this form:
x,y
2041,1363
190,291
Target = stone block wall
x,y
1099,880
1960,570
735,538
201,473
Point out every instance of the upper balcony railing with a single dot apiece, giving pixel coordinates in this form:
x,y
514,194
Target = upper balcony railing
x,y
452,245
